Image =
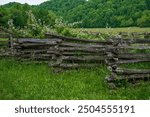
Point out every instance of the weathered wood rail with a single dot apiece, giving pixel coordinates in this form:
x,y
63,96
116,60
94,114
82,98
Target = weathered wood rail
x,y
128,51
143,35
62,52
77,53
34,49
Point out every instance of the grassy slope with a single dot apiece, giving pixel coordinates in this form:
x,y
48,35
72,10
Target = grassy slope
x,y
32,81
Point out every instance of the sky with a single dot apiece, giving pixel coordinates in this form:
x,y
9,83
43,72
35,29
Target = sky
x,y
31,2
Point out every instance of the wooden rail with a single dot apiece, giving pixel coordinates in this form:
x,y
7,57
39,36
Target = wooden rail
x,y
77,53
122,52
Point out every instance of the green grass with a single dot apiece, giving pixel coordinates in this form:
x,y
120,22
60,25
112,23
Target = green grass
x,y
141,65
37,81
115,30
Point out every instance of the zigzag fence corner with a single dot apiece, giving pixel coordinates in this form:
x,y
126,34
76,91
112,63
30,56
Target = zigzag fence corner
x,y
125,52
63,53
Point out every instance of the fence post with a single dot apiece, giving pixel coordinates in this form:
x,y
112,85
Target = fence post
x,y
58,58
111,61
11,43
56,54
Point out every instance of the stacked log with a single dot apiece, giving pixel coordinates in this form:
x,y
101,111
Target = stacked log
x,y
79,53
125,51
34,49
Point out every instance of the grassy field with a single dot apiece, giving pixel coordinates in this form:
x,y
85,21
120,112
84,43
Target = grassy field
x,y
32,81
115,30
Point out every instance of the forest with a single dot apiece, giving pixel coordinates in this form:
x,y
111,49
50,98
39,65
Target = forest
x,y
87,13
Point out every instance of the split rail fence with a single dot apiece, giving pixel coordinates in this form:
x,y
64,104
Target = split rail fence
x,y
68,53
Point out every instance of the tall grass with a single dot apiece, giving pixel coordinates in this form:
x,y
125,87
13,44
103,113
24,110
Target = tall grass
x,y
37,81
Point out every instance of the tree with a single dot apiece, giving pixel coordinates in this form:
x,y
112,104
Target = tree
x,y
18,19
144,20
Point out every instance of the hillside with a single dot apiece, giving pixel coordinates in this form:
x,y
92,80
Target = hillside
x,y
92,13
102,13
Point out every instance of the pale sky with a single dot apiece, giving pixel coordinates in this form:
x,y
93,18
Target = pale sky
x,y
31,2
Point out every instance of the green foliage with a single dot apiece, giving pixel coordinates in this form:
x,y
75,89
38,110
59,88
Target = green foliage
x,y
19,14
127,23
67,29
144,20
34,27
16,12
102,13
63,28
